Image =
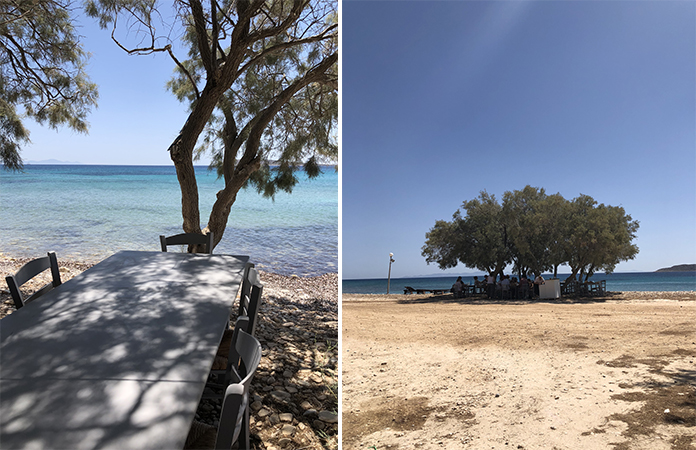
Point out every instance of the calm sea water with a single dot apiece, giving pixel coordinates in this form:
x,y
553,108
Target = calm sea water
x,y
91,212
616,282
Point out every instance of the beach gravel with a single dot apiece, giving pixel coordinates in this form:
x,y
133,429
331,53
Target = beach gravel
x,y
295,391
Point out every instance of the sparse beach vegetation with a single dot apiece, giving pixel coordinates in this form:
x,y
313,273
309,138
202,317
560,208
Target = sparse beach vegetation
x,y
431,372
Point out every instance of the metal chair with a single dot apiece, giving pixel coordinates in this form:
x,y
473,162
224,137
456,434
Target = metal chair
x,y
249,304
505,291
250,298
249,274
29,271
206,240
523,289
234,416
227,360
603,287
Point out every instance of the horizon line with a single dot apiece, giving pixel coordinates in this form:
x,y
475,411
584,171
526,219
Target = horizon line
x,y
483,274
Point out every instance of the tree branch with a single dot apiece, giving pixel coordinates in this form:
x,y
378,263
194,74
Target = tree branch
x,y
261,121
183,69
214,36
286,45
297,7
200,25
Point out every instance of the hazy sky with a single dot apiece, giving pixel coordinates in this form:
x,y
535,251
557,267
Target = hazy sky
x,y
442,100
137,118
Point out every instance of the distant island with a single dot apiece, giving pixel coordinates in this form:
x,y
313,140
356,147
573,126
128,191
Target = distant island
x,y
679,268
50,162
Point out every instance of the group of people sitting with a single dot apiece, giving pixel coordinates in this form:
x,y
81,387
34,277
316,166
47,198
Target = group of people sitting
x,y
506,288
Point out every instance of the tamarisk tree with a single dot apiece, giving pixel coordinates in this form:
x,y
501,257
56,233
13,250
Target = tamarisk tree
x,y
261,80
532,221
42,73
536,232
598,237
477,238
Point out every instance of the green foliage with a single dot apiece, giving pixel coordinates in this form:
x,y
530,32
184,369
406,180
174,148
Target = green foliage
x,y
532,221
302,132
536,231
12,133
42,72
261,80
442,243
477,239
268,180
599,237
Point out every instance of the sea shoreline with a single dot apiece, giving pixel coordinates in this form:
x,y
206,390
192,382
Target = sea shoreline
x,y
615,282
93,210
448,298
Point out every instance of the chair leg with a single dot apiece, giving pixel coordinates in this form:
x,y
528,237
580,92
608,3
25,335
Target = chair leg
x,y
243,440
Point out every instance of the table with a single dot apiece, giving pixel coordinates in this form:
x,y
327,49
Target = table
x,y
117,357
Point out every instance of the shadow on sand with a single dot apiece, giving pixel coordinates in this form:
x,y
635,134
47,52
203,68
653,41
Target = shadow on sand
x,y
482,300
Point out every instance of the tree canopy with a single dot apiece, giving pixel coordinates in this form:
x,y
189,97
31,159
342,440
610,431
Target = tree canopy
x,y
42,73
535,232
261,80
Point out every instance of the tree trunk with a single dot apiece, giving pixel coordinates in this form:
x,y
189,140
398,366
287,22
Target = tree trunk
x,y
181,153
235,177
581,273
217,222
573,274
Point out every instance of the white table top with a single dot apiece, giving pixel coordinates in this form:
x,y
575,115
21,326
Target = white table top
x,y
118,356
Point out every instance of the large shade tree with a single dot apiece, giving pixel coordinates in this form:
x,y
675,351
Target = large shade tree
x,y
476,237
526,220
536,232
42,73
598,237
532,221
260,78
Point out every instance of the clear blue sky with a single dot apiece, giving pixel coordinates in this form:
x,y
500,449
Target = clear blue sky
x,y
442,100
136,120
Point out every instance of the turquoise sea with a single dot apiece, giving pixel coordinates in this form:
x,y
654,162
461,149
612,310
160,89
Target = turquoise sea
x,y
89,212
616,282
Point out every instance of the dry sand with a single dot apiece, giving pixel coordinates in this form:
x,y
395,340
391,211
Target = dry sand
x,y
427,372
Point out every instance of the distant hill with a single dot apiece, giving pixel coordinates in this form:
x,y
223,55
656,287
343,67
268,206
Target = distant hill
x,y
50,162
679,268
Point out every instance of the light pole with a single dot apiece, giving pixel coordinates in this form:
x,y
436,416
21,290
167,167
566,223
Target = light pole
x,y
391,260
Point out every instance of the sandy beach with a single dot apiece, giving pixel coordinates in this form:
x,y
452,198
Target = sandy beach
x,y
433,372
295,390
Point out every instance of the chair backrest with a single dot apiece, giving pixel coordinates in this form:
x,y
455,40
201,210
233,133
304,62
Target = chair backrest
x,y
247,324
189,239
250,302
246,283
29,271
234,416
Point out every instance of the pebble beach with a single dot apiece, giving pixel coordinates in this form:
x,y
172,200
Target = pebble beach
x,y
295,389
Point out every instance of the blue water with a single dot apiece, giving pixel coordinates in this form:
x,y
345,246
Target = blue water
x,y
616,282
89,212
